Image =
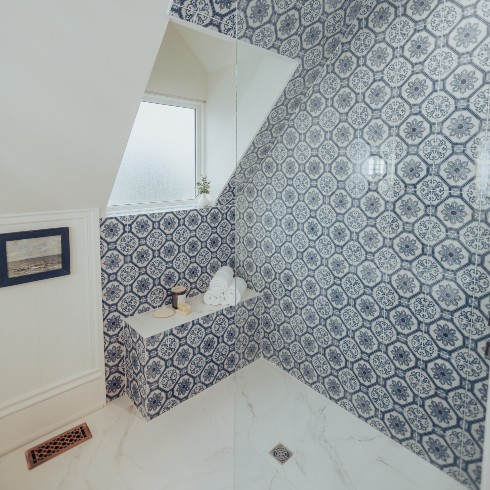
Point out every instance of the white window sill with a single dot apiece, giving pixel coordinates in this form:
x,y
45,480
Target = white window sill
x,y
150,208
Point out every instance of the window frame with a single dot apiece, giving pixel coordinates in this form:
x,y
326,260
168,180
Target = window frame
x,y
200,157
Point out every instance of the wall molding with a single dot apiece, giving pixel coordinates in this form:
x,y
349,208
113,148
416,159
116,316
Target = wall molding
x,y
63,397
37,396
44,418
91,225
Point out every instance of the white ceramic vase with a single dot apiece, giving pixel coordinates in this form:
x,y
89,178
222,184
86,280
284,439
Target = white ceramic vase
x,y
203,201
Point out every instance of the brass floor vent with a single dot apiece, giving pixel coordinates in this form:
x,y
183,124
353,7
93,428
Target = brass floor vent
x,y
59,444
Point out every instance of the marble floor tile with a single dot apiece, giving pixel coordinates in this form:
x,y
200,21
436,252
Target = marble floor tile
x,y
220,440
257,471
329,444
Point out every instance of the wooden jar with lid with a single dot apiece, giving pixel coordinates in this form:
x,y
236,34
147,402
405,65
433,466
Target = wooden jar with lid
x,y
179,295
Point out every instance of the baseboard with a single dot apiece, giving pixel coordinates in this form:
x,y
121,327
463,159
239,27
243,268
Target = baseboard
x,y
38,396
36,420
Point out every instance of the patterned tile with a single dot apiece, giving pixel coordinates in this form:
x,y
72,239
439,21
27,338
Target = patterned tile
x,y
374,278
218,15
375,286
144,256
166,369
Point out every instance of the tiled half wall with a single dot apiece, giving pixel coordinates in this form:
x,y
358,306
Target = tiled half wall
x,y
166,369
144,256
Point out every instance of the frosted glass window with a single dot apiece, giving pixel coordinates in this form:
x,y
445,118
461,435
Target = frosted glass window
x,y
159,164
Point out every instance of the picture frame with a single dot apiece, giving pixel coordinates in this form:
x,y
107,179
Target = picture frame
x,y
27,256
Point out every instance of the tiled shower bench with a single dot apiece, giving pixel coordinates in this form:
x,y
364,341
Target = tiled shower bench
x,y
169,360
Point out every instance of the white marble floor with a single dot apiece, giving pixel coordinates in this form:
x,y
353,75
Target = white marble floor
x,y
220,440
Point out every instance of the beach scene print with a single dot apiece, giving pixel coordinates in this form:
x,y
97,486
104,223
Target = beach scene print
x,y
33,256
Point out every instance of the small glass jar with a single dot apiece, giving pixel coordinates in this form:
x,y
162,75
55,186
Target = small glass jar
x,y
179,295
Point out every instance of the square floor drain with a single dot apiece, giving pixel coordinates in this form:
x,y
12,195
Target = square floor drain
x,y
281,453
57,445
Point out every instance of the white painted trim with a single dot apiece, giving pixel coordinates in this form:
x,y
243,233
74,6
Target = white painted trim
x,y
157,207
200,129
49,391
175,98
26,218
200,168
45,416
172,100
94,272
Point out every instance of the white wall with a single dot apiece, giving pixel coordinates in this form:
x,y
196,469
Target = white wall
x,y
221,128
73,74
177,71
238,81
51,353
261,78
239,100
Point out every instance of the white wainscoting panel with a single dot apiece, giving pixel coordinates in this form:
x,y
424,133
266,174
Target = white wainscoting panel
x,y
51,345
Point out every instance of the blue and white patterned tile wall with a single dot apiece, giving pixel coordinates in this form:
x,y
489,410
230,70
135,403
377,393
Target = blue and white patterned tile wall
x,y
376,289
167,369
143,256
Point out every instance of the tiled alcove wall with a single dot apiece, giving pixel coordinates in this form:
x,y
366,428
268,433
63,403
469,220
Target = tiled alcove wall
x,y
166,369
376,291
143,256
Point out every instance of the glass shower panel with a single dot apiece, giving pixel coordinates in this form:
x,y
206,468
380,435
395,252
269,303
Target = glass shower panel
x,y
362,220
473,279
453,370
223,342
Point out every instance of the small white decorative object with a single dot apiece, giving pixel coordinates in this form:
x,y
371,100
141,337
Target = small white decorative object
x,y
203,187
203,201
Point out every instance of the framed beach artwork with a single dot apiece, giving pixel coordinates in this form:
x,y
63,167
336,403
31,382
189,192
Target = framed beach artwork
x,y
27,256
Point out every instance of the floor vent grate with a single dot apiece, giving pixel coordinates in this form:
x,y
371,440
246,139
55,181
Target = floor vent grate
x,y
281,453
59,444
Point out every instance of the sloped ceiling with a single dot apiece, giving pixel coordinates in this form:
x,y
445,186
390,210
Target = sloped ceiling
x,y
177,72
213,52
73,74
